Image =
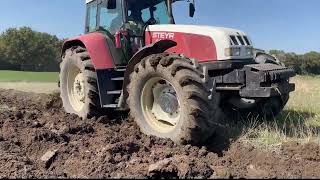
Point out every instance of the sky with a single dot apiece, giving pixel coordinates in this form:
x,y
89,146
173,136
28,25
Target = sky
x,y
289,25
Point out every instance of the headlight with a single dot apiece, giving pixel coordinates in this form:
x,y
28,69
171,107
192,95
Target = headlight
x,y
249,51
235,51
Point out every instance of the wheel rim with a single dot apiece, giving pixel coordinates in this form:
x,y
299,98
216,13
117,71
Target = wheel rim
x,y
76,91
160,105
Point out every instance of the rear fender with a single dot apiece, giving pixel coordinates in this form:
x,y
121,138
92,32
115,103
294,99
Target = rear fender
x,y
156,48
97,47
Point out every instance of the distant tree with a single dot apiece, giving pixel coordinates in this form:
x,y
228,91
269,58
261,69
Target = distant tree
x,y
311,63
1,50
294,61
308,63
30,50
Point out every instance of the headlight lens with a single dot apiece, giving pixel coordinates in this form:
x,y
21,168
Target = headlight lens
x,y
235,51
249,51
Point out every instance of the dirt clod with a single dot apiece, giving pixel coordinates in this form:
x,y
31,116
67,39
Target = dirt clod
x,y
158,166
34,126
48,158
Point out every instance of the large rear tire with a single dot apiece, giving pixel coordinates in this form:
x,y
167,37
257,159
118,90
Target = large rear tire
x,y
168,98
78,84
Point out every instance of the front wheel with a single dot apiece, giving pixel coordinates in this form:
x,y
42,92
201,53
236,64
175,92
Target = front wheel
x,y
168,99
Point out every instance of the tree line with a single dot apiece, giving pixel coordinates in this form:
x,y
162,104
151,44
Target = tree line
x,y
27,50
304,64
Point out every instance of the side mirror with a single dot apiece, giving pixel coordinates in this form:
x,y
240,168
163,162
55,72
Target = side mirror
x,y
112,4
192,9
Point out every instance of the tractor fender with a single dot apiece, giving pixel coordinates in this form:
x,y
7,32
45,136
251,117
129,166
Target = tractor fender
x,y
97,46
156,48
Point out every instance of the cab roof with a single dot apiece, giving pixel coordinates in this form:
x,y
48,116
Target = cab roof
x,y
89,1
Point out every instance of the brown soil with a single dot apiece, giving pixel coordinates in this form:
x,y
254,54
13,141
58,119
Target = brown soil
x,y
31,125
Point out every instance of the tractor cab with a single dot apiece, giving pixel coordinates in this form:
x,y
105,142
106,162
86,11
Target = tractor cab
x,y
125,21
114,14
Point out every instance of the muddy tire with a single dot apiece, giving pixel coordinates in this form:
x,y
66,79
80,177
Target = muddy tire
x,y
78,84
168,98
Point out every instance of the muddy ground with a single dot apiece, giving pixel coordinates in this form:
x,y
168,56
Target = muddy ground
x,y
38,140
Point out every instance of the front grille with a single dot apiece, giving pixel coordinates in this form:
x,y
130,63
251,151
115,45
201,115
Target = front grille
x,y
240,40
234,40
247,40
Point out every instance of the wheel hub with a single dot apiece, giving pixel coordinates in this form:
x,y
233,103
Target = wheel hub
x,y
160,104
76,89
168,102
79,87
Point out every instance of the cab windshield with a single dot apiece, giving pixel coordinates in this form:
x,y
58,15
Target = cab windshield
x,y
152,11
139,14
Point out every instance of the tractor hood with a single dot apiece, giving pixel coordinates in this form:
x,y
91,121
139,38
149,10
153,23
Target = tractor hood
x,y
193,38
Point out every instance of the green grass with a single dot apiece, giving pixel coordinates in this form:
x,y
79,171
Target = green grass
x,y
299,122
19,76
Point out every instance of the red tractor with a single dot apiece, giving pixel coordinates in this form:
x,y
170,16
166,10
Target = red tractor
x,y
176,80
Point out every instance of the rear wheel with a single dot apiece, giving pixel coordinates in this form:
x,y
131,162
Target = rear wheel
x,y
169,99
78,84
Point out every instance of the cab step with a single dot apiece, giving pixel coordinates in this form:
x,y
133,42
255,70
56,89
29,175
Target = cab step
x,y
111,106
120,69
118,79
117,92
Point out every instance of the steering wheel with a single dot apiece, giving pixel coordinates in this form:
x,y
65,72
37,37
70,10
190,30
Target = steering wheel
x,y
151,21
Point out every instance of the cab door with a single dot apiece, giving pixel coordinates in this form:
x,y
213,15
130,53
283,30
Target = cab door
x,y
110,21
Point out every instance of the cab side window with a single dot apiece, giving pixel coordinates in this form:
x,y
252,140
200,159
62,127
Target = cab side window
x,y
92,9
